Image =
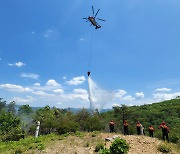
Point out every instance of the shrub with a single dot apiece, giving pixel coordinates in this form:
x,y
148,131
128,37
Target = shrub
x,y
18,151
94,133
119,146
93,123
67,126
98,147
87,144
164,148
41,146
10,128
104,151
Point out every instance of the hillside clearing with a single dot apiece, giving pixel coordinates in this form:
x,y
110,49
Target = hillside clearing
x,y
87,143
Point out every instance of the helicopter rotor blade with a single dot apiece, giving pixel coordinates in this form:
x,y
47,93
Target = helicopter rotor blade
x,y
93,10
101,19
96,13
85,18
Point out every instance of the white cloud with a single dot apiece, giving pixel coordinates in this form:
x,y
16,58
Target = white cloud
x,y
80,91
114,105
37,84
30,75
52,83
139,95
128,98
16,88
119,93
64,77
76,96
18,64
60,91
42,94
28,99
76,80
163,96
81,39
48,33
163,89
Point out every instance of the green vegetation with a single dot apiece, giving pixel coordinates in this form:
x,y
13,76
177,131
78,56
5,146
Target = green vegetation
x,y
119,146
164,148
10,127
17,127
104,151
151,114
99,146
29,143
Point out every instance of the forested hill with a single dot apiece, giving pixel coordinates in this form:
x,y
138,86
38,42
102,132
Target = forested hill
x,y
150,114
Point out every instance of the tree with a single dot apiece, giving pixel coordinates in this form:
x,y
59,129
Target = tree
x,y
2,104
47,118
10,127
25,109
11,107
81,118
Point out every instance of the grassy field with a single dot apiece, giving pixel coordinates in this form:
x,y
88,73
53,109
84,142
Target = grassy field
x,y
29,144
80,143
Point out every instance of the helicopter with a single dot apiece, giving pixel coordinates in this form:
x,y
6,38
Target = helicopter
x,y
93,18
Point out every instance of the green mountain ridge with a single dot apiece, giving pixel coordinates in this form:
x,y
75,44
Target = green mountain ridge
x,y
149,114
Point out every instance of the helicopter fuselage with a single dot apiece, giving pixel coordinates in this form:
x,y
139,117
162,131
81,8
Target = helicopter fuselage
x,y
93,22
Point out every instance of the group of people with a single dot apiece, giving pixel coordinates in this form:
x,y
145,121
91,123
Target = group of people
x,y
140,129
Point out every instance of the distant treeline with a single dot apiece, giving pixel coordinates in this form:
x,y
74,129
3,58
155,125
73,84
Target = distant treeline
x,y
16,124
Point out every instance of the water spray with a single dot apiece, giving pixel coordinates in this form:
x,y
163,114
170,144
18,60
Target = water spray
x,y
97,96
90,93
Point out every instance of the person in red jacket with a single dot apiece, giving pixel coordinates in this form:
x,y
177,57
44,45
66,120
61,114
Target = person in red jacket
x,y
125,124
165,130
151,131
111,126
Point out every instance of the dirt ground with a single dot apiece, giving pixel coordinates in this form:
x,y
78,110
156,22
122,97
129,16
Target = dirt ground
x,y
87,144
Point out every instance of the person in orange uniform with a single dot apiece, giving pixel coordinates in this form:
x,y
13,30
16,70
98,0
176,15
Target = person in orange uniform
x,y
125,124
151,131
165,130
138,127
111,126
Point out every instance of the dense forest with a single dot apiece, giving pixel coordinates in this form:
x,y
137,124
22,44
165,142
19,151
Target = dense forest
x,y
20,123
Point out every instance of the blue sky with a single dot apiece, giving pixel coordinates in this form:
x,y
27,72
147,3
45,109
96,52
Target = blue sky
x,y
45,48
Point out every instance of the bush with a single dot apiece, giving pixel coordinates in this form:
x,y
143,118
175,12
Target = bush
x,y
94,133
93,123
119,146
18,151
98,147
10,127
67,126
164,148
104,151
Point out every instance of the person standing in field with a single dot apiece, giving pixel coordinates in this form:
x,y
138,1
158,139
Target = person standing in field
x,y
111,126
165,130
125,124
138,127
151,131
